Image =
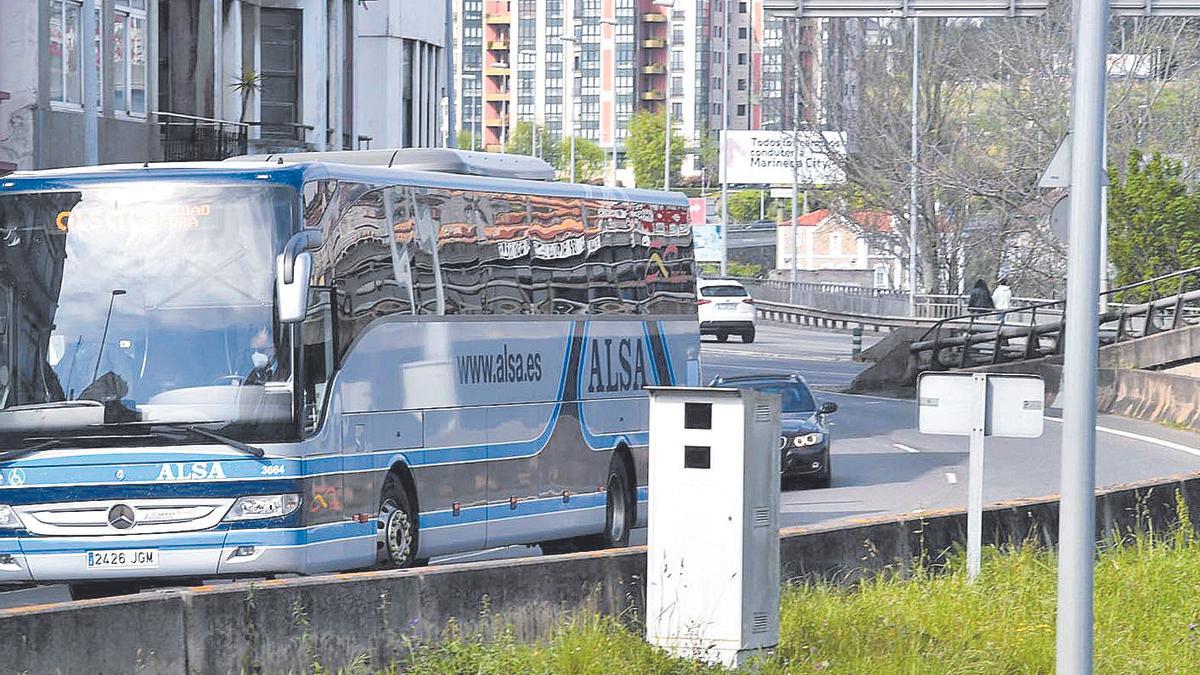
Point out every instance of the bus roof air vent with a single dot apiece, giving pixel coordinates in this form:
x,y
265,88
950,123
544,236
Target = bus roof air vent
x,y
443,160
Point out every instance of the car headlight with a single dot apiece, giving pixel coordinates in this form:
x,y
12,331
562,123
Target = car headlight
x,y
808,439
263,506
9,519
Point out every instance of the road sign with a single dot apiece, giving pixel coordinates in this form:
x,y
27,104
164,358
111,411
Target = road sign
x,y
979,405
1013,404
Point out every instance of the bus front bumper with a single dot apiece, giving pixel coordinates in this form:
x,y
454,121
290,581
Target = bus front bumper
x,y
220,553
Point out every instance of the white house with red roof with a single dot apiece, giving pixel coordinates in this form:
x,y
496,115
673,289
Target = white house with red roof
x,y
827,240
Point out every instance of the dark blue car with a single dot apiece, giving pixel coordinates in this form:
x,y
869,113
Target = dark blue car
x,y
803,432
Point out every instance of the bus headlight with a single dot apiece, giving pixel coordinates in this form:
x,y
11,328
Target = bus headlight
x,y
263,506
9,519
808,439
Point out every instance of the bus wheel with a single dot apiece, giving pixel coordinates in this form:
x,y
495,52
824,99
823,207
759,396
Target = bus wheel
x,y
620,510
397,525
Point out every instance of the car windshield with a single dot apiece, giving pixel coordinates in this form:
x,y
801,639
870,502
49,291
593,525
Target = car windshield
x,y
142,302
723,292
794,397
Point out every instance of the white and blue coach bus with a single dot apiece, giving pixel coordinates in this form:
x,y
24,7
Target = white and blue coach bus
x,y
321,362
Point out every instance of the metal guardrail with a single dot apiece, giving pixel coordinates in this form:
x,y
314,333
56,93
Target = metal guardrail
x,y
1136,310
822,318
882,302
189,138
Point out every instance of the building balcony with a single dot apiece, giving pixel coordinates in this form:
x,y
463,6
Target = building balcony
x,y
498,70
494,147
654,17
498,19
497,96
654,69
653,96
654,43
500,121
498,45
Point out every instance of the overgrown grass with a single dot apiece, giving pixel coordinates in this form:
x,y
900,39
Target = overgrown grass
x,y
1147,608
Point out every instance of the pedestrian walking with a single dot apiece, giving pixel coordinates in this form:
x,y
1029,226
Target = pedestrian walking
x,y
1002,296
980,300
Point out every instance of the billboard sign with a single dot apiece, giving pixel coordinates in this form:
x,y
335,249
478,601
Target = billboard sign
x,y
707,240
697,210
766,157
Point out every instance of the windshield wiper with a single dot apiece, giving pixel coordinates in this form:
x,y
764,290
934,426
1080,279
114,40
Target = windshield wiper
x,y
253,450
21,452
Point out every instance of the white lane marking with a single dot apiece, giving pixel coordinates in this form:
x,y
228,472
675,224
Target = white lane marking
x,y
906,448
951,477
760,369
1139,437
770,355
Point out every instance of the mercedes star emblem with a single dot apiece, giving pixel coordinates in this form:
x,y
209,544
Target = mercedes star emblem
x,y
121,516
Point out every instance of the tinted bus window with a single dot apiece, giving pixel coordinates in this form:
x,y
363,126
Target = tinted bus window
x,y
605,236
505,254
559,275
360,264
416,233
458,219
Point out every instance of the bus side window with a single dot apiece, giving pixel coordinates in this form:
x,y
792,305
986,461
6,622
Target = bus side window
x,y
423,252
364,273
504,253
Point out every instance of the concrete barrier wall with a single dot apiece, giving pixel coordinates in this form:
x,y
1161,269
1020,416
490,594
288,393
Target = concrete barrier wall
x,y
376,618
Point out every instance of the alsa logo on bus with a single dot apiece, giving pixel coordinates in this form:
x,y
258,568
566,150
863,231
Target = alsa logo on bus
x,y
617,365
182,471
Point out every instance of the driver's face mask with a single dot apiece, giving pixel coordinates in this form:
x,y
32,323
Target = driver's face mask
x,y
259,359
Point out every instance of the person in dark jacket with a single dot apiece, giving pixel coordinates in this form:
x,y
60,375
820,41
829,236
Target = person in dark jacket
x,y
980,300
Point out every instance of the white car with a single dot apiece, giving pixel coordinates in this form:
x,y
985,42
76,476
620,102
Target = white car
x,y
725,308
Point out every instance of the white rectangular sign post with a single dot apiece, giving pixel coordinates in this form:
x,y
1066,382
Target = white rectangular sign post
x,y
708,242
766,157
979,405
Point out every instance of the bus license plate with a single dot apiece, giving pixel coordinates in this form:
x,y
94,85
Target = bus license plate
x,y
123,559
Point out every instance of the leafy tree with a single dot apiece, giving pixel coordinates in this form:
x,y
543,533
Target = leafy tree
x,y
744,205
520,142
589,160
646,147
464,141
1153,219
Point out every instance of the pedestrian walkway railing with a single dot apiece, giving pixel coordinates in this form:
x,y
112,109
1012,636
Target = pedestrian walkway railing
x,y
849,299
1037,330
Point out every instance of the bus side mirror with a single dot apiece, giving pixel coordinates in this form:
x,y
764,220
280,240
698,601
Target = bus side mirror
x,y
292,298
292,270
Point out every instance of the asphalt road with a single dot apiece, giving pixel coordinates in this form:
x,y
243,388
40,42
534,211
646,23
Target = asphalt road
x,y
881,465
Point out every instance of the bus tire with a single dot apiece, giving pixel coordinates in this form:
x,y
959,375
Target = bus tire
x,y
397,525
620,509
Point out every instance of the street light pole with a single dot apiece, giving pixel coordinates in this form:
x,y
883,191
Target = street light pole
x,y
613,24
569,102
725,142
913,174
668,8
1074,639
796,152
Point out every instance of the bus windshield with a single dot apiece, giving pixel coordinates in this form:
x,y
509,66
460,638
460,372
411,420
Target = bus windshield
x,y
142,303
